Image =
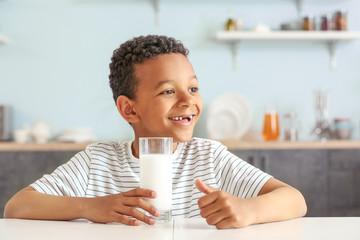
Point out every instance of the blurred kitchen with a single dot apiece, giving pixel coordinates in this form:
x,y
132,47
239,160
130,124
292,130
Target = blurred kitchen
x,y
294,62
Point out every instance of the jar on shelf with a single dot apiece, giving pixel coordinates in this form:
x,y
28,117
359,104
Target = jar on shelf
x,y
327,22
341,20
230,23
291,127
309,23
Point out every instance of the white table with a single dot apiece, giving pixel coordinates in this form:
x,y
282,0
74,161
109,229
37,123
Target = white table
x,y
181,229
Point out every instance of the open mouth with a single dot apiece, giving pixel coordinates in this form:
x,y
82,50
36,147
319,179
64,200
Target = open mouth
x,y
182,118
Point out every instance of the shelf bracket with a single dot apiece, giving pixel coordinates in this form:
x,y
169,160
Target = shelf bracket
x,y
235,50
332,49
299,7
157,12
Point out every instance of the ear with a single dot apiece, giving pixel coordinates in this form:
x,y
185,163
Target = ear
x,y
126,109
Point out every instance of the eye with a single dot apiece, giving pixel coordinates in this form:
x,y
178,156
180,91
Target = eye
x,y
170,91
194,89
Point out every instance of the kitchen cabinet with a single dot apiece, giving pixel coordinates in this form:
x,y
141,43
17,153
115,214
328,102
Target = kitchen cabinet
x,y
328,178
18,169
344,181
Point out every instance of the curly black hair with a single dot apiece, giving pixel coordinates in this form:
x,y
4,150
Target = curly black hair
x,y
137,50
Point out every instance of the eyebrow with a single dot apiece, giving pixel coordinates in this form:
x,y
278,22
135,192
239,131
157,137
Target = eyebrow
x,y
169,81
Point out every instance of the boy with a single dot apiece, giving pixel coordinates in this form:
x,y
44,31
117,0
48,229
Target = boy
x,y
156,90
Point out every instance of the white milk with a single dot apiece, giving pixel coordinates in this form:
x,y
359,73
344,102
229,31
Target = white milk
x,y
156,174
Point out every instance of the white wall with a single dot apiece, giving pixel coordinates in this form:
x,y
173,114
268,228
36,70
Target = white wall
x,y
56,66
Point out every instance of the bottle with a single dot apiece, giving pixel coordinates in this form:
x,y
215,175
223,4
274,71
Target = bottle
x,y
230,23
309,23
341,20
327,23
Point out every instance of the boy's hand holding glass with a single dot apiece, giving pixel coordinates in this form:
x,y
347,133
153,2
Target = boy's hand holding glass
x,y
155,174
120,207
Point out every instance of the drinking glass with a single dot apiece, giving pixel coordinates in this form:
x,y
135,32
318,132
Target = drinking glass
x,y
271,131
156,172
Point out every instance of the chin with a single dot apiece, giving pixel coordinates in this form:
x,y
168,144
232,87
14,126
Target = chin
x,y
182,138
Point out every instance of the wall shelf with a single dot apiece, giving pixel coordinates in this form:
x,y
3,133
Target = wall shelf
x,y
328,37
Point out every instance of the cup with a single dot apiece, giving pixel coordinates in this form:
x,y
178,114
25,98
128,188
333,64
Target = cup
x,y
291,127
271,130
343,128
21,135
156,172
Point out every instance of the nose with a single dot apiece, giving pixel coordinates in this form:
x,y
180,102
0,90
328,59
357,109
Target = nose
x,y
186,99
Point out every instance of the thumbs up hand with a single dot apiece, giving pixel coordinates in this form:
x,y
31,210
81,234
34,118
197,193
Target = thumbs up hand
x,y
203,187
223,209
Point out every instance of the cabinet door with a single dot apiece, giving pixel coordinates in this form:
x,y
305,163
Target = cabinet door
x,y
246,155
344,182
19,169
305,170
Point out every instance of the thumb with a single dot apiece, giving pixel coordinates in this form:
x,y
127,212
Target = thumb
x,y
203,187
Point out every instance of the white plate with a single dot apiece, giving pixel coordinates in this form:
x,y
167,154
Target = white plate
x,y
77,138
229,117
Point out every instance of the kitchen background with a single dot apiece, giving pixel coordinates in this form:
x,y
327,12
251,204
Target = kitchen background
x,y
55,66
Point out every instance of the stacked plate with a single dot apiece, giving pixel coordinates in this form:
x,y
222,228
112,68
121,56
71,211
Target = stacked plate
x,y
229,117
77,135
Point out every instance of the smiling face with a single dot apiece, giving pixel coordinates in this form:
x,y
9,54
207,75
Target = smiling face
x,y
167,102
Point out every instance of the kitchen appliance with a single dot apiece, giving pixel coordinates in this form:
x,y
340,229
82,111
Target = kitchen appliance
x,y
4,123
322,127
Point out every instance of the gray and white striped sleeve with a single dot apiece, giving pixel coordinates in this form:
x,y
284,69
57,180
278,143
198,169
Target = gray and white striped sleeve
x,y
236,176
69,179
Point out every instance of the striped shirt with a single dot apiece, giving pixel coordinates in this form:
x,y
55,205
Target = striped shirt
x,y
109,168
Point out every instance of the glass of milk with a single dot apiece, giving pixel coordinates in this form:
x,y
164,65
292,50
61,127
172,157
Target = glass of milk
x,y
156,172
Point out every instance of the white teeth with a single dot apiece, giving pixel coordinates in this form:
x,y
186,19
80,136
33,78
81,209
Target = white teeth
x,y
181,118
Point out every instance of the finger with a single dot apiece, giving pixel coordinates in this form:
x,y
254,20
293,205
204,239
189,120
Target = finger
x,y
140,192
207,200
125,220
203,187
216,218
141,203
227,223
133,212
210,209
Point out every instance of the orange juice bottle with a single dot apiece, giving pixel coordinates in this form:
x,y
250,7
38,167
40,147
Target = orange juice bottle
x,y
271,131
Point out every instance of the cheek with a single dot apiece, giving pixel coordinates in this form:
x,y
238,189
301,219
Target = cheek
x,y
200,105
157,111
